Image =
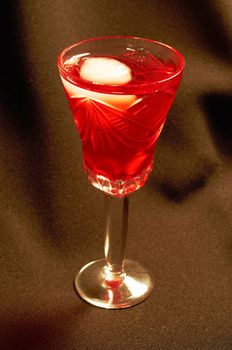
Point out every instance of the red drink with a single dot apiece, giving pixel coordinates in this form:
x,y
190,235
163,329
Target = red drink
x,y
119,123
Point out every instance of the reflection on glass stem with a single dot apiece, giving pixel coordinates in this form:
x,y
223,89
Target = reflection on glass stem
x,y
115,237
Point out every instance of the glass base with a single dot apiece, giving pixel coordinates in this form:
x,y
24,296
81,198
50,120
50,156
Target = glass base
x,y
95,284
118,188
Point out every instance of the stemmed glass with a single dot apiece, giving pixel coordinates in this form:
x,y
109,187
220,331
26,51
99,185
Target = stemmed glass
x,y
120,90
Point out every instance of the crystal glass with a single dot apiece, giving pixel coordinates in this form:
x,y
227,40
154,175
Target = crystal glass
x,y
120,90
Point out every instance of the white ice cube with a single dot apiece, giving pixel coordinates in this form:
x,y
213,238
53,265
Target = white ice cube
x,y
102,70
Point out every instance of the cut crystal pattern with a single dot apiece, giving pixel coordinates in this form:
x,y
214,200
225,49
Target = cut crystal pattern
x,y
118,188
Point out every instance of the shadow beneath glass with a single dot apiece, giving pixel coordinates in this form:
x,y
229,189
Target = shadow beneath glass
x,y
179,189
218,107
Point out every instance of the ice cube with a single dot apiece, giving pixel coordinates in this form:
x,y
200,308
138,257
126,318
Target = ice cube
x,y
102,70
120,102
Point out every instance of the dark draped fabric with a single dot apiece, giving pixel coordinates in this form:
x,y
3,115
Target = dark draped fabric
x,y
52,219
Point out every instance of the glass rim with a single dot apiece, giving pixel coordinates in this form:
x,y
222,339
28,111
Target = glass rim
x,y
119,88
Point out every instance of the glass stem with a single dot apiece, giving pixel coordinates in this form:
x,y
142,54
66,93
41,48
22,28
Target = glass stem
x,y
115,234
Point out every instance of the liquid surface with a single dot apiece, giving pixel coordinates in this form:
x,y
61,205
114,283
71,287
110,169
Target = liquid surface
x,y
119,130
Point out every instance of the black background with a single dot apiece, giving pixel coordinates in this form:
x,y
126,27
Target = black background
x,y
52,220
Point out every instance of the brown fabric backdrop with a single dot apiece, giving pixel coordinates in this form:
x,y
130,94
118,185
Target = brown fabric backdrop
x,y
52,220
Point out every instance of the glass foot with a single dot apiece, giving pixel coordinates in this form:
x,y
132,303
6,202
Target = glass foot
x,y
97,286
